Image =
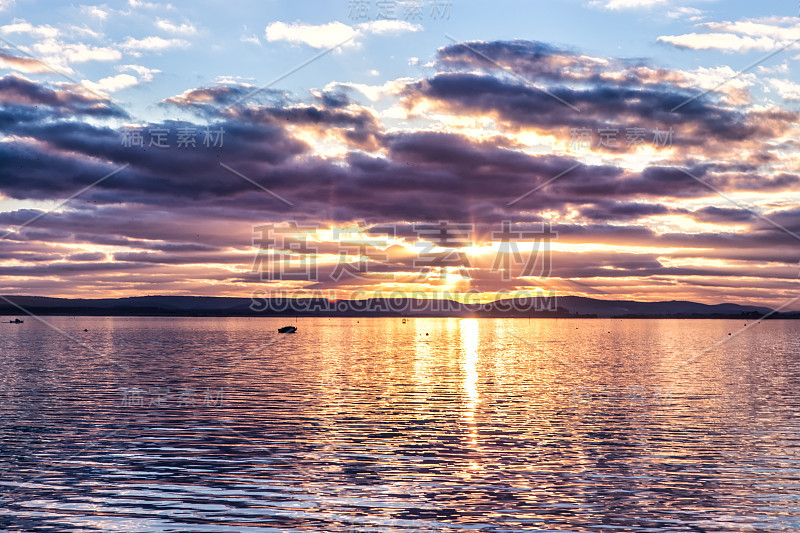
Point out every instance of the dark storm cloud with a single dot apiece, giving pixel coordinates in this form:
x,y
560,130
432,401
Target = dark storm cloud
x,y
335,98
532,58
91,256
256,142
608,211
536,85
21,96
68,268
137,227
541,62
695,124
416,179
76,155
181,259
723,214
360,127
210,100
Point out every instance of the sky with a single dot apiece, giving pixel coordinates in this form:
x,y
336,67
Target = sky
x,y
617,149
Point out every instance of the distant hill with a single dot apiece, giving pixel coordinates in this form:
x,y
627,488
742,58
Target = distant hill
x,y
622,308
564,306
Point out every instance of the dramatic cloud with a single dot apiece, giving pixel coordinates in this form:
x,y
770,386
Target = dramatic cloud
x,y
560,92
468,143
21,100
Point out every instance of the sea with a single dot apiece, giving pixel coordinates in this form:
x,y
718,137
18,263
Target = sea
x,y
383,425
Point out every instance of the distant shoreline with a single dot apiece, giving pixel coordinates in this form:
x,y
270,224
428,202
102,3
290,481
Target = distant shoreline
x,y
224,307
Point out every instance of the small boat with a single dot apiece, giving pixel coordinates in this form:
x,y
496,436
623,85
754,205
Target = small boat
x,y
17,321
287,329
404,321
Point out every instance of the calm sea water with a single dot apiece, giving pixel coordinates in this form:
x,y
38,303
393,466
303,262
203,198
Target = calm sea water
x,y
372,425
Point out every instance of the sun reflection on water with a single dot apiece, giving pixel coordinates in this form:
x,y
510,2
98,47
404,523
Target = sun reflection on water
x,y
470,338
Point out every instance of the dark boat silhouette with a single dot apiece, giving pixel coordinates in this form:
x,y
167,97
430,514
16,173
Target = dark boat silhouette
x,y
287,329
16,321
